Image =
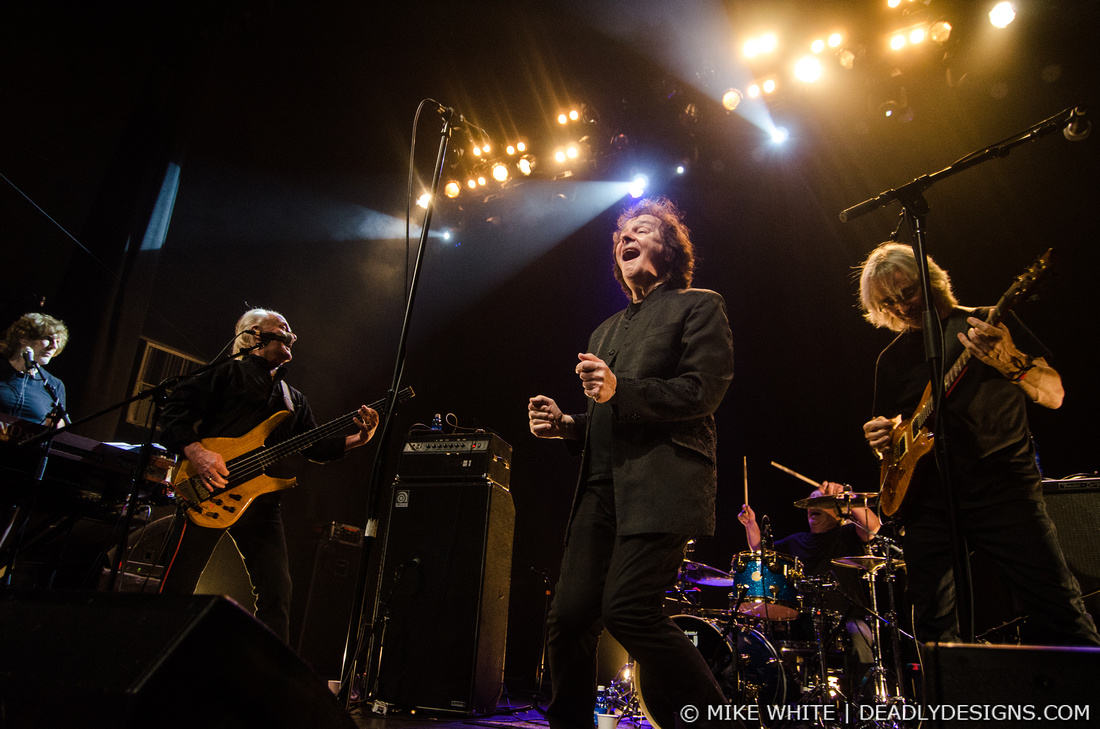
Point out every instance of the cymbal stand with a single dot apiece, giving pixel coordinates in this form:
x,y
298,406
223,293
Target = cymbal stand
x,y
883,692
891,568
822,692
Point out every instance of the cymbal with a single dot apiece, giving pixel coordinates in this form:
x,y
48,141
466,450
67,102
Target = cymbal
x,y
848,498
867,562
698,573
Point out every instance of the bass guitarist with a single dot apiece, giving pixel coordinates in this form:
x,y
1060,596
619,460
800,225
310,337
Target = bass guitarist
x,y
230,401
998,486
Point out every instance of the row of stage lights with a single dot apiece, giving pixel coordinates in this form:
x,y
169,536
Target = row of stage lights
x,y
516,159
492,167
759,51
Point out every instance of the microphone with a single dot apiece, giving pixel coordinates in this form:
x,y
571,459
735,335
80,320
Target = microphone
x,y
29,365
1077,126
463,123
265,337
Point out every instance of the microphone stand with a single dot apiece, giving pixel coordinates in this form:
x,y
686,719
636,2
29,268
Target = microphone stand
x,y
157,396
915,209
355,634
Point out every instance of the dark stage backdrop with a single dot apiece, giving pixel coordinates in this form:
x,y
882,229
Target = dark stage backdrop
x,y
290,132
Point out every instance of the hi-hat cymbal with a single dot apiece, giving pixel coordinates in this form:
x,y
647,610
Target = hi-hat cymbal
x,y
840,501
698,573
867,562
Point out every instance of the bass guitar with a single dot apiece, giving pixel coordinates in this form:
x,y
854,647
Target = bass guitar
x,y
247,457
912,439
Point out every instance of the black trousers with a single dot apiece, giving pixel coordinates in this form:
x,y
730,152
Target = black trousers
x,y
620,583
260,538
1020,539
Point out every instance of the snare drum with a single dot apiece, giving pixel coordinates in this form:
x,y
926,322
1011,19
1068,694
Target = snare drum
x,y
765,585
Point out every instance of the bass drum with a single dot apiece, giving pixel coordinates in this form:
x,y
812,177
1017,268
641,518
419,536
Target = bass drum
x,y
745,664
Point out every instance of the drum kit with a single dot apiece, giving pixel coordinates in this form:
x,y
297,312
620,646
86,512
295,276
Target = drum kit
x,y
779,650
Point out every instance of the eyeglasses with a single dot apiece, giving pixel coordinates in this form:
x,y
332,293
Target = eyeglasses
x,y
906,295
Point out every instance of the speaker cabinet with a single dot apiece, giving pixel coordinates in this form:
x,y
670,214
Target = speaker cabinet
x,y
328,599
1006,686
128,660
443,596
1074,507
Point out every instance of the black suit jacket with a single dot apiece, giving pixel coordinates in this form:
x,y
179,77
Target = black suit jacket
x,y
673,360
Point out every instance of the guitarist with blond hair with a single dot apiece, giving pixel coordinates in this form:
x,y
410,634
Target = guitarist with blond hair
x,y
232,402
1000,367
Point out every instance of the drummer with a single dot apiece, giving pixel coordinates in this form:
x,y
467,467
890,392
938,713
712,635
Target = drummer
x,y
830,537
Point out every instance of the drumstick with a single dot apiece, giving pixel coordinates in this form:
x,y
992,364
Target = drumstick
x,y
796,474
746,480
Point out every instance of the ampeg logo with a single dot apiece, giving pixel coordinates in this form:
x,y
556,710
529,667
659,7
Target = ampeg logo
x,y
401,498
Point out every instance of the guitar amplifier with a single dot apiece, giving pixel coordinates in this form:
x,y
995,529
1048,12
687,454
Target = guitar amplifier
x,y
434,456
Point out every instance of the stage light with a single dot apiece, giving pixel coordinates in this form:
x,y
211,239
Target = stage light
x,y
754,91
559,156
526,164
572,152
897,42
500,172
423,200
638,186
769,86
521,146
510,149
574,115
807,69
817,46
939,32
780,135
766,43
847,59
893,3
731,99
451,189
477,151
471,183
916,35
680,169
562,119
1002,14
481,180
835,40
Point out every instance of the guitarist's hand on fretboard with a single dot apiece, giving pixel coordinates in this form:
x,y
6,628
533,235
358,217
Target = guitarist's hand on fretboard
x,y
366,421
992,344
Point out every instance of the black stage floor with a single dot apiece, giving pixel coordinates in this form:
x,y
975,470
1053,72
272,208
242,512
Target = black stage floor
x,y
521,716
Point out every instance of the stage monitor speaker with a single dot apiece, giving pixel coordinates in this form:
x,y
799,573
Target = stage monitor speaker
x,y
1003,686
443,596
1074,506
108,660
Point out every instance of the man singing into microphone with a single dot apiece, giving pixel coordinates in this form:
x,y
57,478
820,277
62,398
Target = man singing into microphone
x,y
230,401
27,391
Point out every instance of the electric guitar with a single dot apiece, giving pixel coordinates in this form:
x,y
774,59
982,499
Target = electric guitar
x,y
912,439
246,457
